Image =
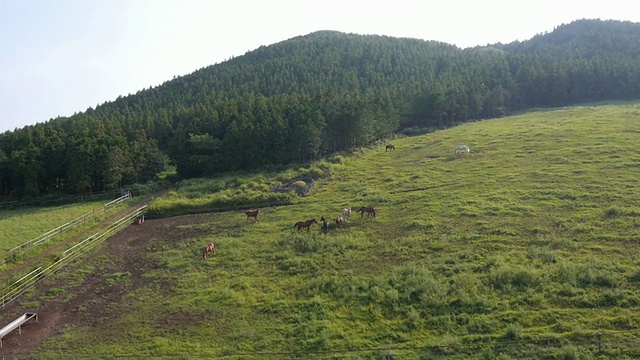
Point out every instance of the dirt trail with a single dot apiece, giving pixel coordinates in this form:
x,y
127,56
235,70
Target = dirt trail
x,y
90,301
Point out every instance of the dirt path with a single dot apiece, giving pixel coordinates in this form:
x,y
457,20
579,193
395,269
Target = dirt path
x,y
90,301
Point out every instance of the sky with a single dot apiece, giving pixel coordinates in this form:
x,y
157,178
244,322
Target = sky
x,y
60,57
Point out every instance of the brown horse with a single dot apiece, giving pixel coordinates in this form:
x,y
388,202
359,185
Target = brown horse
x,y
367,209
325,225
389,147
339,220
305,224
253,213
209,249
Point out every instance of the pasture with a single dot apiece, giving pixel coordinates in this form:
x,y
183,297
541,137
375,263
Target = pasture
x,y
533,234
32,235
25,223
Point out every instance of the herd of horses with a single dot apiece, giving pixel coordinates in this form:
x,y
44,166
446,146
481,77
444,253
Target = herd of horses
x,y
339,220
324,228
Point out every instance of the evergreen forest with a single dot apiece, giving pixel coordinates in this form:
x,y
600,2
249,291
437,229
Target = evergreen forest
x,y
311,96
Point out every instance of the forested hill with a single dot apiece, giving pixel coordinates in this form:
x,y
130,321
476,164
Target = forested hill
x,y
313,95
585,38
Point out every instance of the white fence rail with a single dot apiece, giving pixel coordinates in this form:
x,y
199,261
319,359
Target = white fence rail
x,y
36,276
68,226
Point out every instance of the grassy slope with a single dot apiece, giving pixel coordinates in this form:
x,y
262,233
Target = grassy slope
x,y
534,233
23,224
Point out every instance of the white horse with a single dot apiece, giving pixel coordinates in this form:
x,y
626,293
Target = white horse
x,y
346,212
462,149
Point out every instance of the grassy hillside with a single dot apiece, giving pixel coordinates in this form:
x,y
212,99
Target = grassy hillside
x,y
21,225
532,235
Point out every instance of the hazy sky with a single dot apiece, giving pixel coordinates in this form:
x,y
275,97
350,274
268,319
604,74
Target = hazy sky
x,y
59,57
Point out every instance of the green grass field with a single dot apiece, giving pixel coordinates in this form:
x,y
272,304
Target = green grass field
x,y
533,234
23,224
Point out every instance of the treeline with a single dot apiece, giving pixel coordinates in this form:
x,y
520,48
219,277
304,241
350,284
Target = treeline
x,y
313,95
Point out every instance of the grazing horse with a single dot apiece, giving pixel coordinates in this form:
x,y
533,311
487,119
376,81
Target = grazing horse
x,y
339,220
325,225
209,249
253,213
462,149
305,224
346,212
389,147
367,209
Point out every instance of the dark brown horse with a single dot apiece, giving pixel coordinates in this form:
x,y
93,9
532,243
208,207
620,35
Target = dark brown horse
x,y
367,209
389,147
325,225
209,249
305,224
253,213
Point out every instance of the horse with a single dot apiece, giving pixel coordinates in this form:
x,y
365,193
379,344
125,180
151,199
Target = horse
x,y
462,149
367,209
253,213
339,220
305,224
209,249
389,147
325,225
346,212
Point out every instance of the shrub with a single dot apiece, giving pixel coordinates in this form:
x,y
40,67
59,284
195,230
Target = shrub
x,y
513,332
592,276
612,212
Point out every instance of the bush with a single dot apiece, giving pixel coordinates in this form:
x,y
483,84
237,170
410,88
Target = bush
x,y
514,332
516,277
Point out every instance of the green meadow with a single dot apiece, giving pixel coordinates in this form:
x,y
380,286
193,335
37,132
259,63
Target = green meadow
x,y
534,234
24,224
